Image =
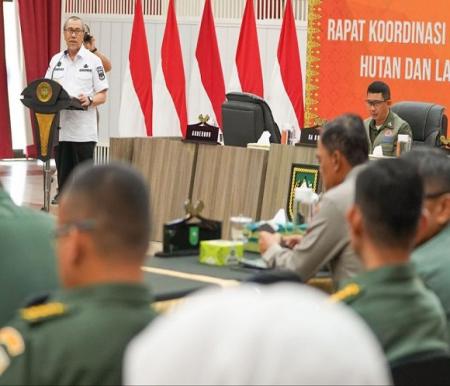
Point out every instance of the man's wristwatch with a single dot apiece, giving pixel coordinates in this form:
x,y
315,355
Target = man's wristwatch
x,y
91,100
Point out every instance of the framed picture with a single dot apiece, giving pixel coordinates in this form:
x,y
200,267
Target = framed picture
x,y
301,174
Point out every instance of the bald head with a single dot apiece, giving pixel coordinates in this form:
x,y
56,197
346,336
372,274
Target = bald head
x,y
114,199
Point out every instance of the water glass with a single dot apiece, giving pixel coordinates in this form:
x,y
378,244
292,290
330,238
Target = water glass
x,y
238,225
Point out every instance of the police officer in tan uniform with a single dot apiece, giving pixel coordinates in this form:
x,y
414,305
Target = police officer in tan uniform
x,y
341,151
383,126
77,336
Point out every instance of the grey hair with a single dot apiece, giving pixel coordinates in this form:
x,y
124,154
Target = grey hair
x,y
77,19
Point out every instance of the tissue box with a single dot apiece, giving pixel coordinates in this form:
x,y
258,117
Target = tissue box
x,y
221,252
252,233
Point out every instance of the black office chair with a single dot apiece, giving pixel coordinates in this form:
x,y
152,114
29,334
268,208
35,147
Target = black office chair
x,y
245,117
432,368
427,120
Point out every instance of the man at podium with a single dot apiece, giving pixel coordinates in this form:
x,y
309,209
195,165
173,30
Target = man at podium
x,y
81,73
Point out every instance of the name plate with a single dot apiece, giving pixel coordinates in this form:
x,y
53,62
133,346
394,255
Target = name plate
x,y
309,136
202,133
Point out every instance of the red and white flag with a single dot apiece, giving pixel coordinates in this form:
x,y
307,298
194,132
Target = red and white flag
x,y
247,72
170,118
136,108
207,87
285,95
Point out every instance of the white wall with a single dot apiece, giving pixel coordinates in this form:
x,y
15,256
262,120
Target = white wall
x,y
113,34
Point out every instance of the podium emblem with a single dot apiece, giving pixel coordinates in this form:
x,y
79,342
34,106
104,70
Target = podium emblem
x,y
44,92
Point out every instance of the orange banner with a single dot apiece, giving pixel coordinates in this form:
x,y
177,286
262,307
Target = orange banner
x,y
351,43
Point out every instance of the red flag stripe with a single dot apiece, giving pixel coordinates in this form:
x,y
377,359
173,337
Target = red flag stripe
x,y
208,58
248,60
289,59
140,69
172,66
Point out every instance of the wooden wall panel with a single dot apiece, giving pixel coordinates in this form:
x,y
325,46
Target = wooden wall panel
x,y
167,165
230,181
276,189
121,149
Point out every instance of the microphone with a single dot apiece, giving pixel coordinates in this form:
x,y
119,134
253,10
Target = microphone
x,y
58,63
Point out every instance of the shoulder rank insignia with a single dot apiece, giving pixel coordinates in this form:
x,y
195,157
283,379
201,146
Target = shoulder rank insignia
x,y
44,311
349,292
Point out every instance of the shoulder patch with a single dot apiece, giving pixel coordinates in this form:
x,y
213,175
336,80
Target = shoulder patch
x,y
11,345
100,72
42,312
349,292
12,340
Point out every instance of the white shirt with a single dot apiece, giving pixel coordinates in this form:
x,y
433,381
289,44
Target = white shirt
x,y
83,75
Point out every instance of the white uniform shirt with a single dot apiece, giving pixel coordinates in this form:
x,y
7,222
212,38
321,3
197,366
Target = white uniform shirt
x,y
83,75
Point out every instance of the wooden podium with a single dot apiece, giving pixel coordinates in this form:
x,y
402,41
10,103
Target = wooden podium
x,y
46,98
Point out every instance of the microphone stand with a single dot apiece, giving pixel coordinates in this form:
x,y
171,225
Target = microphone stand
x,y
47,185
46,166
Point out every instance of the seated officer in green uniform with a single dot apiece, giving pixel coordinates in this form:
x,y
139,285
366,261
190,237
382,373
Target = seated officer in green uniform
x,y
383,126
406,317
432,257
78,335
28,261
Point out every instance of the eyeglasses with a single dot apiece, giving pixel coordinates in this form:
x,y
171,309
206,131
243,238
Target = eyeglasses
x,y
83,225
72,31
375,103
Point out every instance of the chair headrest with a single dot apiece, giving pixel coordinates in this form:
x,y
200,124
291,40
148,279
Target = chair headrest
x,y
425,119
243,97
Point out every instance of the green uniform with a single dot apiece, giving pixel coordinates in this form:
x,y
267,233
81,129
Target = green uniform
x,y
27,262
432,261
77,337
403,314
386,135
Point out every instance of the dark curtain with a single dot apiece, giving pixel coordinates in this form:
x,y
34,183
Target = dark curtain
x,y
5,122
40,23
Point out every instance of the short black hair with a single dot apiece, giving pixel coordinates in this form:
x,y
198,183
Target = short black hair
x,y
433,165
389,194
116,198
380,87
347,134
